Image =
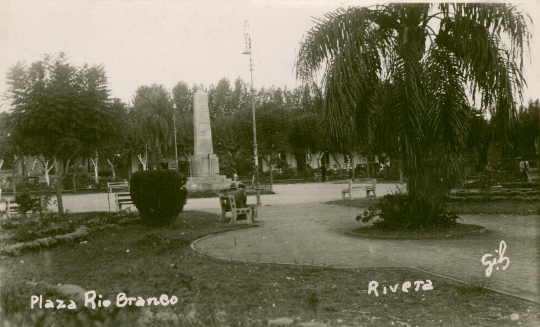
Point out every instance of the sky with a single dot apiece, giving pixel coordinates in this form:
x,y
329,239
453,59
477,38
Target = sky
x,y
164,42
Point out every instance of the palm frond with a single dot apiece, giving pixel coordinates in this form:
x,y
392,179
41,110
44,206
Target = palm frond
x,y
476,34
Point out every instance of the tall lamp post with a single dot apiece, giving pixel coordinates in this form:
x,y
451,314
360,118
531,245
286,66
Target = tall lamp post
x,y
175,146
247,38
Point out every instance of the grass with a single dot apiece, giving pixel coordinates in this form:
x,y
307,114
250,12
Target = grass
x,y
160,261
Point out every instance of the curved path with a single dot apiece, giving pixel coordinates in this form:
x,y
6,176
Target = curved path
x,y
314,233
297,227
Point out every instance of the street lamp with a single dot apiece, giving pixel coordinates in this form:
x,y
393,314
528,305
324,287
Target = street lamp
x,y
175,146
247,38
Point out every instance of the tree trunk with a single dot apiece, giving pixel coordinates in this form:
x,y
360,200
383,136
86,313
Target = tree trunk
x,y
112,169
31,172
95,163
271,174
339,165
353,167
144,161
13,181
271,178
59,169
47,178
13,174
74,183
67,166
400,171
47,169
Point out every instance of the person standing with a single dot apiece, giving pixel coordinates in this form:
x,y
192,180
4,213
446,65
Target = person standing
x,y
323,173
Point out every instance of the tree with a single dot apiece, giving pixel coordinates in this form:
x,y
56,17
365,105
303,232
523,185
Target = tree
x,y
306,137
183,98
273,125
241,97
220,99
117,152
427,55
152,115
233,144
59,111
527,131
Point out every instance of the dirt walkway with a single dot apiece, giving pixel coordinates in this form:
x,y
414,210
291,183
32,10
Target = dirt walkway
x,y
313,233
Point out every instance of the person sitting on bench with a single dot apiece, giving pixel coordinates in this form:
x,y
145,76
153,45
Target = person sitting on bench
x,y
240,198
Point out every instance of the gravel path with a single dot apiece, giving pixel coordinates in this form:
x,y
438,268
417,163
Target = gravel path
x,y
297,227
314,233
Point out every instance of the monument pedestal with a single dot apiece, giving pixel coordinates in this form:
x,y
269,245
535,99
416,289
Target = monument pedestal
x,y
207,183
204,163
206,177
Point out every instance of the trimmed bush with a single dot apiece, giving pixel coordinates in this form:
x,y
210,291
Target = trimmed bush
x,y
400,211
159,196
26,202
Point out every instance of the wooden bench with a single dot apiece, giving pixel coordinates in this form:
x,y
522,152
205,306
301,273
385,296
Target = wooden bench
x,y
122,199
229,205
117,185
12,209
317,177
369,185
9,208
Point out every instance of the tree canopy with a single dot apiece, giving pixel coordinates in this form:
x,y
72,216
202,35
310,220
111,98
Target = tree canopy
x,y
424,58
60,111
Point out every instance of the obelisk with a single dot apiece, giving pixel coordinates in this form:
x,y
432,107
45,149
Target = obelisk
x,y
204,162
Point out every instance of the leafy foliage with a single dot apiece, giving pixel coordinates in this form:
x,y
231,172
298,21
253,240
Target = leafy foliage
x,y
382,52
26,202
159,196
152,119
60,111
401,211
306,134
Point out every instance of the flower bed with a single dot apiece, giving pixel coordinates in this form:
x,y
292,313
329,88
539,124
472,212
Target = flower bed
x,y
495,195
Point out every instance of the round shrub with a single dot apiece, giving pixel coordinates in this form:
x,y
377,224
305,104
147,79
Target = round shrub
x,y
26,202
400,211
159,196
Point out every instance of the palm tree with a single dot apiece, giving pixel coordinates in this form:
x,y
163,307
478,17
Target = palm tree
x,y
412,67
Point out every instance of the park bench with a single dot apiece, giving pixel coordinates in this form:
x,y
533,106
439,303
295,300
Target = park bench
x,y
369,185
12,208
117,185
122,199
228,204
317,177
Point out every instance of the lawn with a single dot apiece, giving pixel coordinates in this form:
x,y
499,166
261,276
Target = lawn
x,y
149,262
